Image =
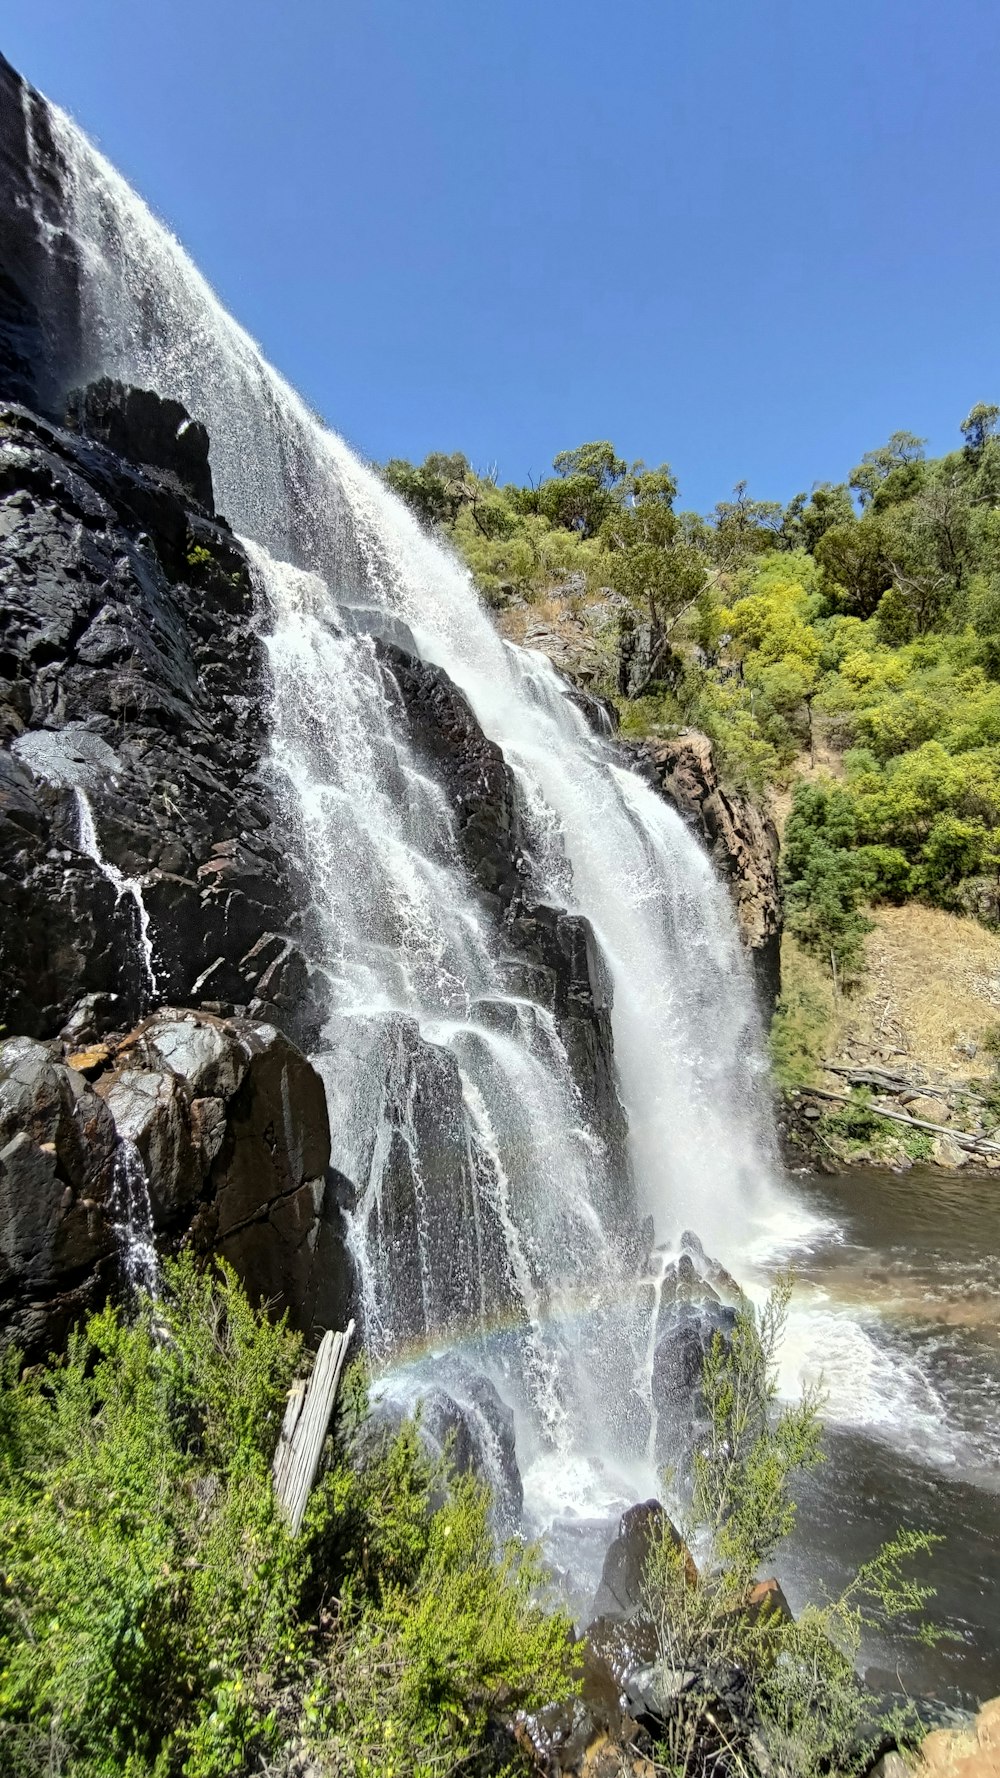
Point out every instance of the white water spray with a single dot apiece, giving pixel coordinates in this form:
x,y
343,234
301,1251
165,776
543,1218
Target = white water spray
x,y
132,1215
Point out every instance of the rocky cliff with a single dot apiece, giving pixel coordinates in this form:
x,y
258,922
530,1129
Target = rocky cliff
x,y
144,862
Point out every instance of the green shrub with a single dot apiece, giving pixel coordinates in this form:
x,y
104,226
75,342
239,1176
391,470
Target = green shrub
x,y
156,1618
746,1690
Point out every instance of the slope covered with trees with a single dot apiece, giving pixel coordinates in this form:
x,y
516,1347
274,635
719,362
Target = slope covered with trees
x,y
845,646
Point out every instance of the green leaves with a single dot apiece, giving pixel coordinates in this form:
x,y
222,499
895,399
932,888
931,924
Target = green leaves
x,y
743,1687
156,1619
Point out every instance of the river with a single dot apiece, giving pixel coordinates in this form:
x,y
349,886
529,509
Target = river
x,y
897,1299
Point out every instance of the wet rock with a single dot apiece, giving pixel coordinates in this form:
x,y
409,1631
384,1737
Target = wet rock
x,y
130,673
742,840
692,1310
230,1125
57,1149
621,1592
148,430
461,1418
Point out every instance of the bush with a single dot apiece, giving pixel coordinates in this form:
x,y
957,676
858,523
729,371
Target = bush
x,y
822,878
742,1689
156,1618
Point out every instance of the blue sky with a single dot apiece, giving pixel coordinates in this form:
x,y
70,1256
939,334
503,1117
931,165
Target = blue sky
x,y
752,237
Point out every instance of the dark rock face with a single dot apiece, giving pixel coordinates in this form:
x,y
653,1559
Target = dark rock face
x,y
57,1153
463,1419
620,1593
696,1300
41,352
131,673
229,1122
742,841
149,431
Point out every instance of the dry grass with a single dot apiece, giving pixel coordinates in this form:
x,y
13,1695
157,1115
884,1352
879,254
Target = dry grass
x,y
932,985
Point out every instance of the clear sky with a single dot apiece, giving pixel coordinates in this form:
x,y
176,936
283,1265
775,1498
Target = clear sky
x,y
752,237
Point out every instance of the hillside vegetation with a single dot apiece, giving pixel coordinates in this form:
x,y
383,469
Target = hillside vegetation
x,y
842,651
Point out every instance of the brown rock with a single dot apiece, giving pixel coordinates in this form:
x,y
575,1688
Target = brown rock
x,y
89,1061
929,1109
767,1600
973,1752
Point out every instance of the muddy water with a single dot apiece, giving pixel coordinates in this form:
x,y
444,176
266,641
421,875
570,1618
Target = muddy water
x,y
897,1301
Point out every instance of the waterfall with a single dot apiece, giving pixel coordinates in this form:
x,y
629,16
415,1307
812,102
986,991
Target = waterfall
x,y
486,1207
121,884
132,1216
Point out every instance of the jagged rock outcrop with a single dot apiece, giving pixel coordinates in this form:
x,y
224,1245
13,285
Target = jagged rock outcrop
x,y
742,840
132,697
229,1123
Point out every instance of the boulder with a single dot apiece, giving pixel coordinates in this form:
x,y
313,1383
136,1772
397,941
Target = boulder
x,y
57,1152
621,1592
228,1123
972,1752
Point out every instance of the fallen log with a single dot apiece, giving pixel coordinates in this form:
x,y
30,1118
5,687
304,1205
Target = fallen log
x,y
882,1079
304,1428
979,1144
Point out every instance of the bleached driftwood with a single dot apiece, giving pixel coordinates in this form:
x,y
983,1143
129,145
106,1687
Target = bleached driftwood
x,y
304,1428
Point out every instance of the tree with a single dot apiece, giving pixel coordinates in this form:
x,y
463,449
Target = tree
x,y
980,425
587,485
745,527
434,489
822,879
854,558
903,451
650,562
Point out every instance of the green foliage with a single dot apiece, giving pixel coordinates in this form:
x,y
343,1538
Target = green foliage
x,y
855,1126
804,1018
148,1582
823,880
863,618
156,1618
742,1688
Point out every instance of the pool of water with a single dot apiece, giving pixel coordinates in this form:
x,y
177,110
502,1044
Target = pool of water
x,y
897,1305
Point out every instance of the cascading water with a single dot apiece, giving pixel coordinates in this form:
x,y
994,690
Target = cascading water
x,y
122,885
132,1217
489,1213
